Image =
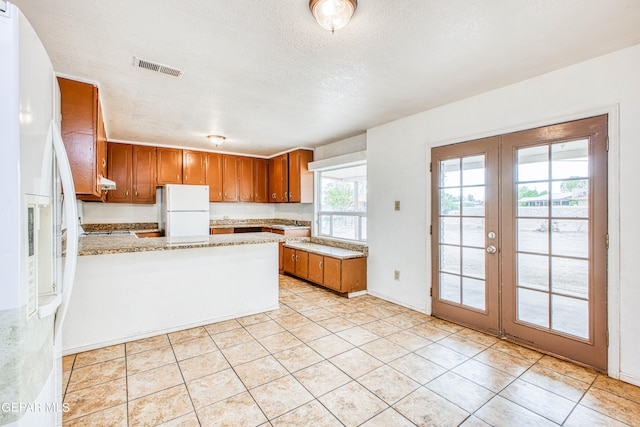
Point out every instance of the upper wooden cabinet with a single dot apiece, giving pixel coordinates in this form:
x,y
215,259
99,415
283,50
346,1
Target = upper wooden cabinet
x,y
279,179
194,167
119,171
230,178
169,166
261,180
300,178
245,179
133,168
143,182
290,179
84,137
214,176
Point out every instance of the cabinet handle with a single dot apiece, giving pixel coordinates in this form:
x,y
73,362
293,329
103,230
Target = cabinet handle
x,y
321,264
290,195
186,178
178,177
136,193
293,257
296,257
126,193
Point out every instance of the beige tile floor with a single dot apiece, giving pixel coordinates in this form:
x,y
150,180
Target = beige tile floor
x,y
323,360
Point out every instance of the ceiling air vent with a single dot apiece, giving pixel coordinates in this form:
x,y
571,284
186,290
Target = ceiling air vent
x,y
154,66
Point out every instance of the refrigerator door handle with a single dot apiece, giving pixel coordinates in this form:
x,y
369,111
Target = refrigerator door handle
x,y
71,220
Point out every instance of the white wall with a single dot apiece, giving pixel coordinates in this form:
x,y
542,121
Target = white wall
x,y
398,155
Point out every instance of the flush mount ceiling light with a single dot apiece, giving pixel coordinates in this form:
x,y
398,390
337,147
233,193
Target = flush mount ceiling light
x,y
216,139
333,14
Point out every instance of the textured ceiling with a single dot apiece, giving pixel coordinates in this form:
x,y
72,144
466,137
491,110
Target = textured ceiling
x,y
266,76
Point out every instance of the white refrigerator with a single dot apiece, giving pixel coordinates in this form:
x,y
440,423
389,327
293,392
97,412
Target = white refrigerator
x,y
185,210
36,277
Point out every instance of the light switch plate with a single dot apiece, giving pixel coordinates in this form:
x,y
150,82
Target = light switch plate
x,y
397,205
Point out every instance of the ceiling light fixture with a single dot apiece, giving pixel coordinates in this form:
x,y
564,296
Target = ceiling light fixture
x,y
216,139
333,14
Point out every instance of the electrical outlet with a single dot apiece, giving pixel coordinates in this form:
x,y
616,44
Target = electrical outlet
x,y
397,205
396,274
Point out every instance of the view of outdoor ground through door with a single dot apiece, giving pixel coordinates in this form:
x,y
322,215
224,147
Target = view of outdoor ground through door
x,y
549,245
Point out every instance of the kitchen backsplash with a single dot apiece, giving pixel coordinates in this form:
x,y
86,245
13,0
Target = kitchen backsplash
x,y
112,213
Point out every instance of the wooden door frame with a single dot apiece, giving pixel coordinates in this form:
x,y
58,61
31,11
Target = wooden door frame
x,y
612,207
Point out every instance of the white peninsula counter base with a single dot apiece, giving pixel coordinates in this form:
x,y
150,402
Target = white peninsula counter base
x,y
127,296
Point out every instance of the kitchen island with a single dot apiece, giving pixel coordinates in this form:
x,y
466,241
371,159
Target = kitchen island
x,y
128,288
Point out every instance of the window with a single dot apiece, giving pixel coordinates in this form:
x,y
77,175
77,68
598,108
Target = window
x,y
342,203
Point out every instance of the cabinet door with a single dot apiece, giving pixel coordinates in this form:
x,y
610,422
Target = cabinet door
x,y
194,166
332,273
245,179
278,179
214,176
261,181
316,267
143,181
280,257
302,264
119,170
289,260
229,178
78,106
354,274
169,166
300,178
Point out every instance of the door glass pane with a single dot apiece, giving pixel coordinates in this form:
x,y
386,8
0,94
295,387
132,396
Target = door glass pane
x,y
450,201
533,271
473,170
450,230
570,276
570,198
450,287
570,238
533,164
473,293
473,262
570,159
533,199
533,236
450,173
570,315
473,201
473,232
533,307
450,259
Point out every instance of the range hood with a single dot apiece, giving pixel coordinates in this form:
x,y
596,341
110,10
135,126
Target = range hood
x,y
107,184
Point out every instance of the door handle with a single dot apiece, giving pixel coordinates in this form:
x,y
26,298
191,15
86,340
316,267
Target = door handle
x,y
492,249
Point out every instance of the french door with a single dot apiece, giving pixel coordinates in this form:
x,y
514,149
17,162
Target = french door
x,y
519,237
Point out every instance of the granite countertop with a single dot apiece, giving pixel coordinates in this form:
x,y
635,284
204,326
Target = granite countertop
x,y
325,250
123,243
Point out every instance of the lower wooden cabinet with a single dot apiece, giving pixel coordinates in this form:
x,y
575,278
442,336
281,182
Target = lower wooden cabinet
x,y
340,275
333,273
316,268
296,262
